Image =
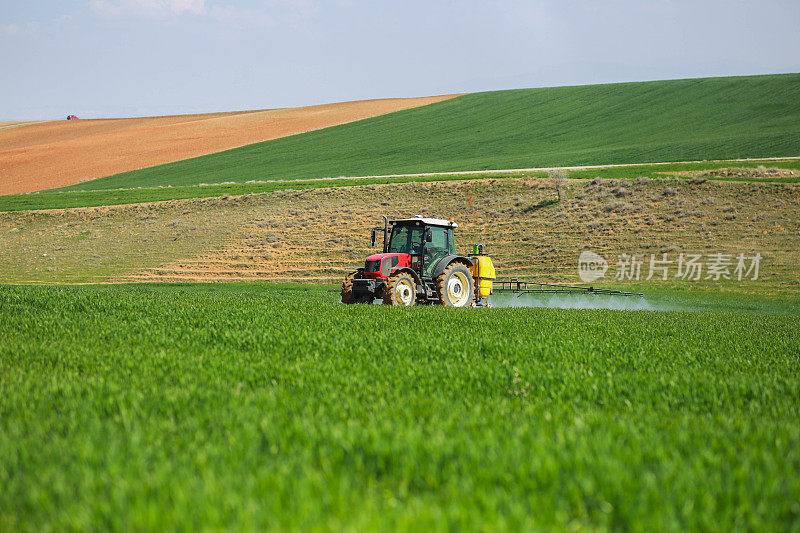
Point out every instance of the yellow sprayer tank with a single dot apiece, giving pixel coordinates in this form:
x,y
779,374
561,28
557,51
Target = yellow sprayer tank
x,y
482,272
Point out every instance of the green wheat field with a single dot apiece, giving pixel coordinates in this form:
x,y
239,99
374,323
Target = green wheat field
x,y
267,407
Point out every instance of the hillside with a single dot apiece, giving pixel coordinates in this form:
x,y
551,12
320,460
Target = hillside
x,y
313,235
674,120
59,153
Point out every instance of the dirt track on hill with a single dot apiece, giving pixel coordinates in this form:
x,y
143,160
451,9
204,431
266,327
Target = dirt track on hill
x,y
53,154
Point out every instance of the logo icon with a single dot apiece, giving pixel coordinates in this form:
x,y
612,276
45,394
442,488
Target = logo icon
x,y
591,266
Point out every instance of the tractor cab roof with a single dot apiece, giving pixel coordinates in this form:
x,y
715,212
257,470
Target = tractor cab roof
x,y
427,221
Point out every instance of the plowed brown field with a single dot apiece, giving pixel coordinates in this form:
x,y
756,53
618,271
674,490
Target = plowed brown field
x,y
60,153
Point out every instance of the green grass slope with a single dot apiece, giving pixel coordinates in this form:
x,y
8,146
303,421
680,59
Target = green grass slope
x,y
250,407
674,120
60,199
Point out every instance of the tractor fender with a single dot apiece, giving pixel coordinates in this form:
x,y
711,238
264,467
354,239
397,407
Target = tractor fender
x,y
443,263
414,275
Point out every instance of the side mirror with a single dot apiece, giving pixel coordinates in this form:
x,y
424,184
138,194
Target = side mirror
x,y
373,236
428,235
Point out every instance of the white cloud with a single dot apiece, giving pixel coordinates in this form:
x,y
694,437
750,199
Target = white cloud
x,y
264,14
29,28
147,8
10,29
267,13
230,15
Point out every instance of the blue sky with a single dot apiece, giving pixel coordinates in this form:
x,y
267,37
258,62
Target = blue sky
x,y
111,58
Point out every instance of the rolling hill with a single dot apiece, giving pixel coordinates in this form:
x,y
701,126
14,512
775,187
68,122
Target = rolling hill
x,y
60,153
672,120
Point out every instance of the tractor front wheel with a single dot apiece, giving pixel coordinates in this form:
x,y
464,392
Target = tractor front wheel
x,y
400,289
455,287
348,296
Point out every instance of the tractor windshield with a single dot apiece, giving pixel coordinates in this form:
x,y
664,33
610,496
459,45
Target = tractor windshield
x,y
407,240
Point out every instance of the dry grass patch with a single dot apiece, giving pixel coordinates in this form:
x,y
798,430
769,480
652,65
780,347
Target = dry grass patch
x,y
313,235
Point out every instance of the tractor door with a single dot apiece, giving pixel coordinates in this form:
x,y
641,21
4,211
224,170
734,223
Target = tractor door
x,y
441,244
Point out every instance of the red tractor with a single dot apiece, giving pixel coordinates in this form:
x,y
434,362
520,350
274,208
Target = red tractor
x,y
419,264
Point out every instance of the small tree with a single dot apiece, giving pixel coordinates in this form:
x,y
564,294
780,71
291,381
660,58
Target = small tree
x,y
558,179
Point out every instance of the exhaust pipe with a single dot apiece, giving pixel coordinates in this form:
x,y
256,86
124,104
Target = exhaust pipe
x,y
385,233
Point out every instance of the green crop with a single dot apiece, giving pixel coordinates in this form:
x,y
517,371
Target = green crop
x,y
68,198
675,120
252,407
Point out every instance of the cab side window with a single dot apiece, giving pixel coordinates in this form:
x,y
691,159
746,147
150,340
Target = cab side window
x,y
438,239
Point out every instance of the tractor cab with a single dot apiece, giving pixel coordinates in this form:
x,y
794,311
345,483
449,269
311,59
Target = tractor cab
x,y
418,264
424,240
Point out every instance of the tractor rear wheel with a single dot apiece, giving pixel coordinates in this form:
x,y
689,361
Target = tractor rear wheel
x,y
400,289
455,287
348,296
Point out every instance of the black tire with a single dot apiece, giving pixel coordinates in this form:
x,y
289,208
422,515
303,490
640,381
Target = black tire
x,y
455,287
349,297
347,289
400,289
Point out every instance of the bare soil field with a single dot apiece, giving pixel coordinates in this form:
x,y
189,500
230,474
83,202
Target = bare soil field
x,y
59,153
313,235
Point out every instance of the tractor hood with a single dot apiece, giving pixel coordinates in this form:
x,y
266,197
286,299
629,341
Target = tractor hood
x,y
381,265
381,257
